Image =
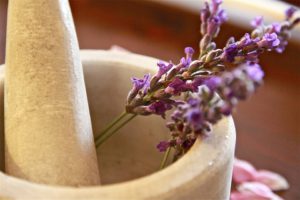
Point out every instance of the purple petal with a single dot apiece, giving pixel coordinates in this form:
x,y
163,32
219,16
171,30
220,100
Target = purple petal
x,y
290,12
257,21
213,82
230,52
140,83
163,146
159,108
176,86
163,68
255,72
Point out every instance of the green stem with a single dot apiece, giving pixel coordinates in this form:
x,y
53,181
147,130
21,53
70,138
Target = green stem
x,y
165,158
103,137
109,126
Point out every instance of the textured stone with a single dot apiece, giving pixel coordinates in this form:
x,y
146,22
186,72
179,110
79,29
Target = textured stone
x,y
48,133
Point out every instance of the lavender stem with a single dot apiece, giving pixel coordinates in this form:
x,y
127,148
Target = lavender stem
x,y
111,124
103,137
165,158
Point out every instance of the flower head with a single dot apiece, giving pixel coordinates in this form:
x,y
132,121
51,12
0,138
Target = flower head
x,y
230,52
176,86
213,26
276,27
215,5
269,41
222,15
163,146
257,21
194,117
254,71
213,82
163,68
290,12
140,83
159,108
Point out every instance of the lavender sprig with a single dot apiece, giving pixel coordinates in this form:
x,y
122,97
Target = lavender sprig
x,y
155,95
196,116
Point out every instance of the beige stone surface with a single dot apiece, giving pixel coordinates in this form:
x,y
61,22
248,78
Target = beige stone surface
x,y
48,133
129,161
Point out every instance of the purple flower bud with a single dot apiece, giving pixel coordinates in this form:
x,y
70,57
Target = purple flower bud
x,y
140,83
194,102
163,68
204,13
254,72
213,83
230,52
215,5
245,41
176,86
257,21
281,46
189,51
159,108
290,12
184,63
163,146
176,115
276,27
194,117
213,26
269,41
222,15
196,83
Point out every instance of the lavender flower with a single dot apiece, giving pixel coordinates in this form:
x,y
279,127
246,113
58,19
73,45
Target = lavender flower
x,y
163,68
159,108
162,146
195,117
231,52
257,21
154,95
269,41
290,12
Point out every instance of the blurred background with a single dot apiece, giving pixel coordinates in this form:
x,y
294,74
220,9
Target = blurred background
x,y
268,125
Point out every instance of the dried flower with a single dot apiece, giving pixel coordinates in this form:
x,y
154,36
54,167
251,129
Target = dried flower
x,y
257,21
162,146
269,41
290,12
153,95
196,116
163,69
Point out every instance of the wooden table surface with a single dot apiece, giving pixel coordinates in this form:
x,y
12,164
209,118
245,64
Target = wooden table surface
x,y
268,125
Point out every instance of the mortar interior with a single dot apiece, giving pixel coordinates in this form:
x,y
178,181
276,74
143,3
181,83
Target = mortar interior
x,y
130,153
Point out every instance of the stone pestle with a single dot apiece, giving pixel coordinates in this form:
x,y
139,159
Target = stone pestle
x,y
48,133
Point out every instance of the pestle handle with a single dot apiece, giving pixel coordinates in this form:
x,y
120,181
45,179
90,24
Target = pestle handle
x,y
48,133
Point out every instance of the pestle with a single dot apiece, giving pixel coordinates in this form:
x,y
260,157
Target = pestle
x,y
48,132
